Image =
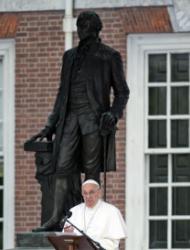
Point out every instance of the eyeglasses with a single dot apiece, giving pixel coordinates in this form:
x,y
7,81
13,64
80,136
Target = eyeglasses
x,y
91,193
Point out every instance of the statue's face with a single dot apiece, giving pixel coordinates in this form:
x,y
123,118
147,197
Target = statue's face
x,y
84,30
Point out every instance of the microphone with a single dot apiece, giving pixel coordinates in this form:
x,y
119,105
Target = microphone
x,y
92,242
68,215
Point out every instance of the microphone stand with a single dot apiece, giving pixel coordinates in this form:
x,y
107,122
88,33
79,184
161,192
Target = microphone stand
x,y
97,244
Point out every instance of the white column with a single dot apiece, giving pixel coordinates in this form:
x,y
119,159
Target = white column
x,y
69,24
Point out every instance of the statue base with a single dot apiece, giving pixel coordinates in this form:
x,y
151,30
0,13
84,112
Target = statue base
x,y
32,241
28,248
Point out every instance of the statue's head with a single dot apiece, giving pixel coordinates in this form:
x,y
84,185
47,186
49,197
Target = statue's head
x,y
89,24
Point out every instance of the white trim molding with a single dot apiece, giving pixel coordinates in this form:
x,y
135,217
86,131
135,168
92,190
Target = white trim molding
x,y
40,5
180,15
136,203
7,52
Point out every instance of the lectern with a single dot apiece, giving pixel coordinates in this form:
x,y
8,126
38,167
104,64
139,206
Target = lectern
x,y
70,241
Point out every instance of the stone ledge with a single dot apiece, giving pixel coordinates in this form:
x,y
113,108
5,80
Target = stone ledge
x,y
31,240
29,248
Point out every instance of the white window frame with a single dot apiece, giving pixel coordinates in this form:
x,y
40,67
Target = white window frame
x,y
7,51
137,47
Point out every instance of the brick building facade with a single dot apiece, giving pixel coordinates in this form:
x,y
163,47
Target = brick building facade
x,y
39,41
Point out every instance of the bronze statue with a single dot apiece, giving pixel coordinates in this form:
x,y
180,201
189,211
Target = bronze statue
x,y
82,114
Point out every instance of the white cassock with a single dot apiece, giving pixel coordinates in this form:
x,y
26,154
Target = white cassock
x,y
103,223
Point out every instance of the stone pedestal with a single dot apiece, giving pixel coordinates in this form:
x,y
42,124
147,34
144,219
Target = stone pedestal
x,y
32,241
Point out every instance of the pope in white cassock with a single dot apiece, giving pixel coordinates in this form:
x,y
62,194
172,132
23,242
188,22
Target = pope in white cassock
x,y
100,220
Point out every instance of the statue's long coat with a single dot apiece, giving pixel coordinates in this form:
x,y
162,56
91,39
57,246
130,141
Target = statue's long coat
x,y
103,70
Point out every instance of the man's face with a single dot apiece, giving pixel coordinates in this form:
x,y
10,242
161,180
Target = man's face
x,y
91,194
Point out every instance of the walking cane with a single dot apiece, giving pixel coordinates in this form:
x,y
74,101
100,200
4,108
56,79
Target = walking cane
x,y
105,132
105,163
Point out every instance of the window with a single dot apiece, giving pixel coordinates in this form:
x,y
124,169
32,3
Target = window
x,y
158,142
6,144
168,149
168,117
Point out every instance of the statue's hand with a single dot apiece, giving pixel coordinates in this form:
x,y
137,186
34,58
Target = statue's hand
x,y
44,133
107,123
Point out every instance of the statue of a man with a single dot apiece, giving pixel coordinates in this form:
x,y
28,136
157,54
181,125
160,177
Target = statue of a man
x,y
82,112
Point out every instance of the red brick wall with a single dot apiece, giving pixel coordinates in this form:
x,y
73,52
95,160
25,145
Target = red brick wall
x,y
39,49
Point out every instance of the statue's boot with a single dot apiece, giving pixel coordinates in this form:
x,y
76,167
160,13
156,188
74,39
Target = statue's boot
x,y
61,189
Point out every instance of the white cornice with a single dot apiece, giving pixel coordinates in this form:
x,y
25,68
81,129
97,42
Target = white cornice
x,y
180,15
28,5
120,3
43,5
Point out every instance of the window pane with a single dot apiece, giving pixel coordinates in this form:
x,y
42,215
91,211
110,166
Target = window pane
x,y
158,168
158,201
1,171
179,67
157,68
180,133
180,100
157,101
1,203
180,234
157,134
1,235
1,137
1,105
181,168
181,201
158,234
